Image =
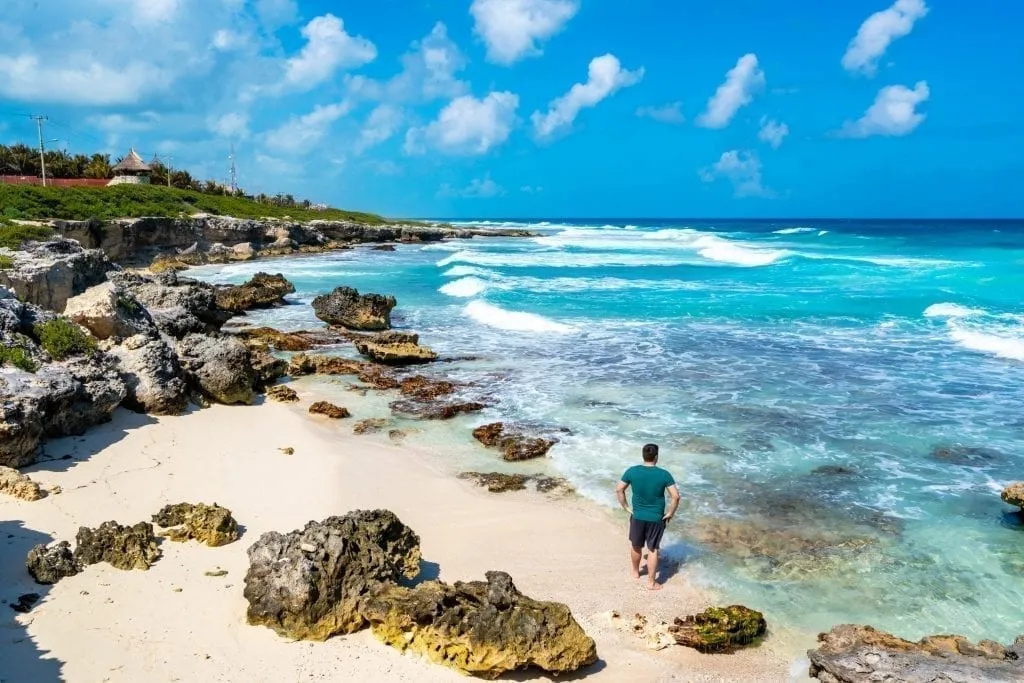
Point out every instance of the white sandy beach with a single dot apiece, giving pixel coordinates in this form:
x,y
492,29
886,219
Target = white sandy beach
x,y
174,623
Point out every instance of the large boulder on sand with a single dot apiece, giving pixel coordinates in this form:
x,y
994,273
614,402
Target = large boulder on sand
x,y
350,309
209,524
720,629
109,311
856,654
153,375
18,485
262,291
47,274
482,628
179,306
123,547
394,348
309,584
220,367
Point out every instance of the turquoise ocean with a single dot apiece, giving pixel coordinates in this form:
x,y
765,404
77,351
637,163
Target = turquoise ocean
x,y
841,401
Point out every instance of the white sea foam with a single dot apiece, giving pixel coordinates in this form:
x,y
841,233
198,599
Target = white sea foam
x,y
1003,346
493,316
792,231
464,287
441,246
948,310
717,249
552,258
466,271
822,233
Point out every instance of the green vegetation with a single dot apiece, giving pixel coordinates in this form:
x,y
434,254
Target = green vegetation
x,y
32,202
62,338
5,262
13,235
18,357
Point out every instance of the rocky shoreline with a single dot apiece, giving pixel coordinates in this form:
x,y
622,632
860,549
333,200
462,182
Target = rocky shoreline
x,y
81,337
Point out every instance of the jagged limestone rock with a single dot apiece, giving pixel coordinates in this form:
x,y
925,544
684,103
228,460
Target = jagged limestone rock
x,y
482,628
720,629
1014,495
209,524
329,410
350,309
153,375
50,564
514,441
262,291
394,348
282,394
309,584
18,485
859,654
123,547
108,310
218,366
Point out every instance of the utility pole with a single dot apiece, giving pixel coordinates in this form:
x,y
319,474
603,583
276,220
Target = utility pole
x,y
233,171
42,157
170,162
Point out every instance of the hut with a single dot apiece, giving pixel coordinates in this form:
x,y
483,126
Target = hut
x,y
131,170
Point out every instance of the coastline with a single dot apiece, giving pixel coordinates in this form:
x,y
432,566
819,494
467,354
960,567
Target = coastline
x,y
110,625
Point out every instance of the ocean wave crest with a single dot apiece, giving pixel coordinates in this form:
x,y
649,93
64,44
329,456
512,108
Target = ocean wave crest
x,y
792,231
515,321
466,271
464,287
1000,345
948,310
717,249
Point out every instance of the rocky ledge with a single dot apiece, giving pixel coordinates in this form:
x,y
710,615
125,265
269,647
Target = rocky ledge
x,y
516,442
262,291
347,308
855,654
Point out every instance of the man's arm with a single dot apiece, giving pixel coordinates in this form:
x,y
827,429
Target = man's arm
x,y
673,503
620,493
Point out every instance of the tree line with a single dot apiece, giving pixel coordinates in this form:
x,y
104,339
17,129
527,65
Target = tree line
x,y
20,159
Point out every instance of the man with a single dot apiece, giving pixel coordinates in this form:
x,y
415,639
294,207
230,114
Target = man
x,y
648,516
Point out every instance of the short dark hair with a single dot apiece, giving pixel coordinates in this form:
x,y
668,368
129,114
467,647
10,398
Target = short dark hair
x,y
650,452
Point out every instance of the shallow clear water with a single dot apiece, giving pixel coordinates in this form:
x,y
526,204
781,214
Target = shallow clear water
x,y
755,354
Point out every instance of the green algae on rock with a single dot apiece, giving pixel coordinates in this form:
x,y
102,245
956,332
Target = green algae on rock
x,y
209,524
720,629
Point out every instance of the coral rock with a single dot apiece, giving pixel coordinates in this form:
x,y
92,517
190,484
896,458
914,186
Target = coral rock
x,y
434,410
1014,494
309,584
153,375
350,309
425,388
123,547
515,444
852,654
262,291
480,628
282,394
329,410
282,341
394,348
209,524
14,483
302,365
50,564
720,629
370,426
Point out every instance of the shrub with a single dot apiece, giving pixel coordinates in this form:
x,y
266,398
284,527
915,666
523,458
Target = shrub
x,y
5,262
13,235
62,338
18,357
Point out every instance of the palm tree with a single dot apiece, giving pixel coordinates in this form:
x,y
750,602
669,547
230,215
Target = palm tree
x,y
99,166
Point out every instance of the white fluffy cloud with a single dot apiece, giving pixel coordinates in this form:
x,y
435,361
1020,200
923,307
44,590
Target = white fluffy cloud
x,y
741,168
772,132
478,188
893,113
231,125
467,125
742,82
382,123
301,133
512,29
79,81
428,73
878,31
328,48
668,113
605,77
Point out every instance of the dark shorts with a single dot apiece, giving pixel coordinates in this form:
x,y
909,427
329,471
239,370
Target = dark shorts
x,y
646,533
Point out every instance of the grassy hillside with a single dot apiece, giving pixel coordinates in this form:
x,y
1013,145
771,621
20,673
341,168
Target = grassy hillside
x,y
29,202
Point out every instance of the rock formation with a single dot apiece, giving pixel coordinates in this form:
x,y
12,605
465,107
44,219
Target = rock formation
x,y
425,388
310,584
720,629
262,291
282,341
371,425
108,311
179,306
394,348
209,524
513,441
303,364
348,308
1014,495
329,410
498,482
49,564
480,628
282,394
152,374
218,366
18,485
435,410
857,654
47,274
121,546
266,368
967,456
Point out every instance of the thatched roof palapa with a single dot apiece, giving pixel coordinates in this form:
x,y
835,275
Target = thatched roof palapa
x,y
132,163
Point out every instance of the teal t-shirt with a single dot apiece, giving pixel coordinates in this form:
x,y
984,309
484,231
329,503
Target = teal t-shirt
x,y
648,484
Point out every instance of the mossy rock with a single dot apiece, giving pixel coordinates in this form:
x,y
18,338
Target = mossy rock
x,y
62,338
720,629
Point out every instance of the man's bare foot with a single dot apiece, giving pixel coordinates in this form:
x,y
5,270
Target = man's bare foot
x,y
636,574
654,586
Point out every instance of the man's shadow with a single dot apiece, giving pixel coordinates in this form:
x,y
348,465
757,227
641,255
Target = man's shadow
x,y
21,659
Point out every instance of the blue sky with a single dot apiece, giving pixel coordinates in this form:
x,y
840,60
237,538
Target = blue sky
x,y
533,108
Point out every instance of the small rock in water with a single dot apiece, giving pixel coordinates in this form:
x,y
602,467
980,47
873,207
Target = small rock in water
x,y
720,629
834,471
967,456
370,426
1014,495
329,410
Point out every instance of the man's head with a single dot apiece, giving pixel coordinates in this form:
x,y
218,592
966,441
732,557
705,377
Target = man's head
x,y
651,453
